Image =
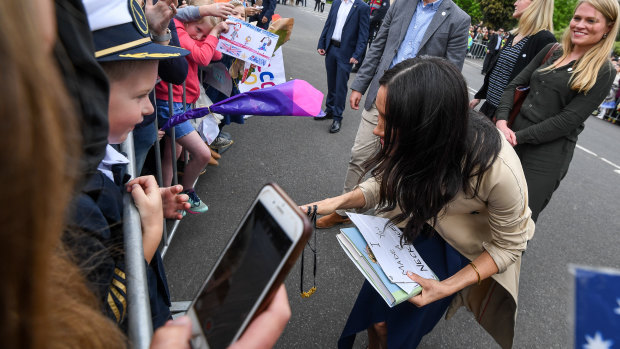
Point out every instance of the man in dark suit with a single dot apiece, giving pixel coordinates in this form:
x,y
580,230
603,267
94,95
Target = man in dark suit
x,y
493,47
378,9
410,28
264,17
342,42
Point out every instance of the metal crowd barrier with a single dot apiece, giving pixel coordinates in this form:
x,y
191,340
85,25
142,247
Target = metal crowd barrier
x,y
139,320
138,306
167,238
478,50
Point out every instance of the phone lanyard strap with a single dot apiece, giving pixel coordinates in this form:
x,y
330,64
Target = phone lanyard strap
x,y
312,215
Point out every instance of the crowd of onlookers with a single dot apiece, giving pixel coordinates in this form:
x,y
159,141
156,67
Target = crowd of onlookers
x,y
79,79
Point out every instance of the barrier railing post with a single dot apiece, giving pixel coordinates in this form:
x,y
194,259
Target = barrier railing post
x,y
173,143
168,236
158,172
138,306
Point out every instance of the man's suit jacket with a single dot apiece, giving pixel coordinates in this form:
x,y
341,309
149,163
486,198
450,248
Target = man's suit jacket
x,y
354,33
269,7
492,44
446,36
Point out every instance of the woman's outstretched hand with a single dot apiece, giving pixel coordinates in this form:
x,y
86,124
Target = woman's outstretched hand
x,y
432,290
323,207
502,125
352,199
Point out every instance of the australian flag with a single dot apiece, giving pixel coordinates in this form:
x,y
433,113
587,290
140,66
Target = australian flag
x,y
597,308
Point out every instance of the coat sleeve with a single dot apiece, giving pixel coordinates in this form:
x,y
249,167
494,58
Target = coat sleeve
x,y
173,70
97,248
523,79
362,33
368,69
572,115
457,44
370,190
322,45
509,214
269,9
188,14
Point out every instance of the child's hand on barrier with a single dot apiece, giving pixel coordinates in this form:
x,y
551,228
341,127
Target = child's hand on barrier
x,y
160,134
173,201
147,198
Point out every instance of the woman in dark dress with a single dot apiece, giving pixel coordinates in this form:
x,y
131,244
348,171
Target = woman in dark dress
x,y
534,32
455,187
563,93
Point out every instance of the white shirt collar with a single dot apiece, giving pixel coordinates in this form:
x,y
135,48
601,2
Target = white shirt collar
x,y
112,157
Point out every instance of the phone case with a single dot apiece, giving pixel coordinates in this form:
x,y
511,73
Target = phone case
x,y
292,259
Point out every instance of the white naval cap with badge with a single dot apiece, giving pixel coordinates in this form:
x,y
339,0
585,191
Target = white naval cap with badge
x,y
121,32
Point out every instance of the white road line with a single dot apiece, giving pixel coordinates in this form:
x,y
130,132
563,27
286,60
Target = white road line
x,y
587,151
611,163
617,170
470,62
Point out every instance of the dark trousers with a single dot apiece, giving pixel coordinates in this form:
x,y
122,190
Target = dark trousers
x,y
544,166
317,5
337,80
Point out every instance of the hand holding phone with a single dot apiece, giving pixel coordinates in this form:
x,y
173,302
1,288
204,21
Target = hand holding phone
x,y
250,271
266,328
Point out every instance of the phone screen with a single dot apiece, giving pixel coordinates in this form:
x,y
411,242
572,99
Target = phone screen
x,y
241,276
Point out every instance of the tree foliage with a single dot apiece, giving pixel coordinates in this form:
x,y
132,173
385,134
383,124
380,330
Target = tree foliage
x,y
562,13
472,8
498,13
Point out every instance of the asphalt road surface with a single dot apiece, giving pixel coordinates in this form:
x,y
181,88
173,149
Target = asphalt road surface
x,y
580,225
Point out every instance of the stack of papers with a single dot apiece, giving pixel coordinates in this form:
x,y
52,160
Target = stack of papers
x,y
374,246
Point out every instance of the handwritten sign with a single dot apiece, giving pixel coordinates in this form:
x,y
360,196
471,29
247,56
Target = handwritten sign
x,y
264,77
394,259
247,42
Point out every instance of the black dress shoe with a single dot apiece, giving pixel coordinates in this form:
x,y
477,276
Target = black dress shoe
x,y
327,116
335,127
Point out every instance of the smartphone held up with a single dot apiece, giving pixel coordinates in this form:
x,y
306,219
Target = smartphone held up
x,y
249,271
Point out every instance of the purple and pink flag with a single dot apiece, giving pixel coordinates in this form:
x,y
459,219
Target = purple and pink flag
x,y
294,98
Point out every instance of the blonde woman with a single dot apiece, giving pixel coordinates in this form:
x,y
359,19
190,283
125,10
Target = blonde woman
x,y
563,93
534,32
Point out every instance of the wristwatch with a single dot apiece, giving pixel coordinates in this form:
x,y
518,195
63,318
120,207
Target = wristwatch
x,y
162,38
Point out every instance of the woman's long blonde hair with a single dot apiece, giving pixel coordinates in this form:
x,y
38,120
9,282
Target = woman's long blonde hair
x,y
585,71
536,17
44,301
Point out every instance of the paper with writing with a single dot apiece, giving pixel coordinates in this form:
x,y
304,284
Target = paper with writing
x,y
395,260
247,42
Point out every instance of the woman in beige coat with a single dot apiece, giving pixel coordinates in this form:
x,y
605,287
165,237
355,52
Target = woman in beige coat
x,y
456,188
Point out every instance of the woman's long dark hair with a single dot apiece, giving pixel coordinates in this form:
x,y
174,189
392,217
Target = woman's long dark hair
x,y
432,147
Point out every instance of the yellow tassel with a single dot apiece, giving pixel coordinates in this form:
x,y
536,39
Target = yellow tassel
x,y
309,293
